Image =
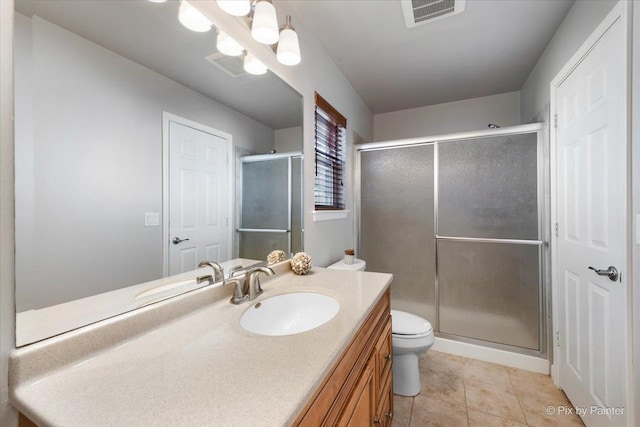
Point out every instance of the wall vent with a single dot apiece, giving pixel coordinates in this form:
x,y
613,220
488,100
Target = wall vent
x,y
418,12
232,65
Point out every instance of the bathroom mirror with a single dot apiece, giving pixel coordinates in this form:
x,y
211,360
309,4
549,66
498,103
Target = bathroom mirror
x,y
99,86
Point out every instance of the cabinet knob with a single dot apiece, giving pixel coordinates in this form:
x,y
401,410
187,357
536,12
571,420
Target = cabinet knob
x,y
387,356
389,415
377,421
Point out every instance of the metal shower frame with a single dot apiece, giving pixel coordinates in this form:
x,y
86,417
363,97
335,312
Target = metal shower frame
x,y
266,157
544,236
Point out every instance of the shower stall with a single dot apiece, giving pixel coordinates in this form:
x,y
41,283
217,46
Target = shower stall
x,y
460,222
270,211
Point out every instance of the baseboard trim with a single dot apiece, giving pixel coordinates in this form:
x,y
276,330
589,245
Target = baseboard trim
x,y
507,358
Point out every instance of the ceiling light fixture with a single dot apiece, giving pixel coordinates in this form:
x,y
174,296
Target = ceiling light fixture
x,y
227,45
235,7
263,22
264,27
192,18
253,65
288,52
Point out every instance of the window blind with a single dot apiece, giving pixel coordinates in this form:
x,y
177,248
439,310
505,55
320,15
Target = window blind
x,y
329,156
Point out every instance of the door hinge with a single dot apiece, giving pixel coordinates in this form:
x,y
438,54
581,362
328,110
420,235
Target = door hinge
x,y
555,121
556,228
557,338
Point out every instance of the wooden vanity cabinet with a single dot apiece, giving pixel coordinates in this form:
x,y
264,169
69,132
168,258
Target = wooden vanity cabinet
x,y
358,391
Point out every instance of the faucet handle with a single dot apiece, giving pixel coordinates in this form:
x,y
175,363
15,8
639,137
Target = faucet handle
x,y
234,270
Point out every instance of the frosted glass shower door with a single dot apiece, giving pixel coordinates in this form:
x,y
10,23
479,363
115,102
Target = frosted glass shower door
x,y
397,223
489,242
265,218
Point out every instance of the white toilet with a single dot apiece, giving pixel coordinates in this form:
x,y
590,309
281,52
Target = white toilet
x,y
412,336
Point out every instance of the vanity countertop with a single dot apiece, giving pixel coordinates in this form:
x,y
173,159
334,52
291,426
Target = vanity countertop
x,y
187,361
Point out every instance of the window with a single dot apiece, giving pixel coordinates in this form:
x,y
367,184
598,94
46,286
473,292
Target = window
x,y
329,152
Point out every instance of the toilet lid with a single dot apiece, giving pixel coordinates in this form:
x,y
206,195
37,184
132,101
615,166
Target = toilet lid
x,y
404,323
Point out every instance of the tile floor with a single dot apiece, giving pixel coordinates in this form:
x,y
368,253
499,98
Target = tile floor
x,y
457,391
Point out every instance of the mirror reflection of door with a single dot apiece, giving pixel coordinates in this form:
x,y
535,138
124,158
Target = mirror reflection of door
x,y
198,220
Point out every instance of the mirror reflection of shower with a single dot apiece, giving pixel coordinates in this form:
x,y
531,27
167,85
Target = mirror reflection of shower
x,y
270,211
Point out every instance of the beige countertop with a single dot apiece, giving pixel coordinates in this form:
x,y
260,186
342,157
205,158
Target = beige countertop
x,y
187,361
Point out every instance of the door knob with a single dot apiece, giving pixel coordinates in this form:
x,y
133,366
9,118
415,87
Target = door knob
x,y
611,272
177,240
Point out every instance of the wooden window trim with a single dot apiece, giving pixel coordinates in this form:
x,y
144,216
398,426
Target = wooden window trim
x,y
330,110
330,128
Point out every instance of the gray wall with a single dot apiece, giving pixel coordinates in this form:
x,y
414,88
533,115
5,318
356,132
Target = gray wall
x,y
289,139
88,162
580,22
468,115
8,415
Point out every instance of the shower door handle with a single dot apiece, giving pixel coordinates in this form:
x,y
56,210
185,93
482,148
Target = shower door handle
x,y
611,272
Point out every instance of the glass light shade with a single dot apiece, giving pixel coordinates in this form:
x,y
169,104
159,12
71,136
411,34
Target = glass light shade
x,y
227,45
235,7
265,23
288,48
158,1
192,18
253,65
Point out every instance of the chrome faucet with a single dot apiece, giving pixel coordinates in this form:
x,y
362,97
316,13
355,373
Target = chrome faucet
x,y
238,294
217,270
252,281
247,286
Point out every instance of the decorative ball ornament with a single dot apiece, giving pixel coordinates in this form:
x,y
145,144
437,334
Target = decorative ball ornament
x,y
301,263
276,256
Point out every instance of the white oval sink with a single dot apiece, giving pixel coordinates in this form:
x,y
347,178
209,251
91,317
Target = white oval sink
x,y
289,314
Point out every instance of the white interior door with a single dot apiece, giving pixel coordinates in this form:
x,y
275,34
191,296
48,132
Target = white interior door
x,y
198,198
591,160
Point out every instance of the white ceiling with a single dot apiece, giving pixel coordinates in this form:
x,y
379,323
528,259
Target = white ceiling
x,y
150,34
488,49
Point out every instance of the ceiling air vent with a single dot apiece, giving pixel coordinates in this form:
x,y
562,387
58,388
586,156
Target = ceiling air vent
x,y
232,65
418,12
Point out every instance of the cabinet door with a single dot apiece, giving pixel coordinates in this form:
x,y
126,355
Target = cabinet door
x,y
383,355
360,408
384,410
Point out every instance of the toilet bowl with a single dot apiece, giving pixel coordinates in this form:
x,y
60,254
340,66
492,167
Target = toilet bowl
x,y
412,336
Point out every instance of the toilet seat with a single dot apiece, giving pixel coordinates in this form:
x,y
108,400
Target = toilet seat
x,y
412,337
409,325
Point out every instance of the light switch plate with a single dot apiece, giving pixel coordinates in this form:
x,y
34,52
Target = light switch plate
x,y
151,219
